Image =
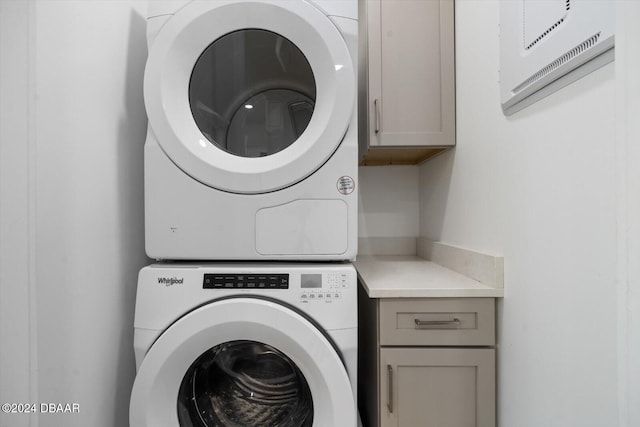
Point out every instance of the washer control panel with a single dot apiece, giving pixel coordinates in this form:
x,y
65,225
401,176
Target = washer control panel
x,y
319,296
314,290
337,280
246,281
313,287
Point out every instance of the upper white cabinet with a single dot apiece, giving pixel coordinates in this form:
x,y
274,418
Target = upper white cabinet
x,y
407,80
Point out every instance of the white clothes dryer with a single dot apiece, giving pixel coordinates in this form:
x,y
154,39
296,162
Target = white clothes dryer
x,y
251,149
246,345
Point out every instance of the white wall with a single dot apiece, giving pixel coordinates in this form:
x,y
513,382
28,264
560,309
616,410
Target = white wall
x,y
15,201
628,174
540,189
73,127
388,201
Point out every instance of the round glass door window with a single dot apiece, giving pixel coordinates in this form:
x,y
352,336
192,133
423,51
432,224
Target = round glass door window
x,y
252,93
244,383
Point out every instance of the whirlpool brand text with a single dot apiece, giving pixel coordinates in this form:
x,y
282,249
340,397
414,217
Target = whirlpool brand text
x,y
170,281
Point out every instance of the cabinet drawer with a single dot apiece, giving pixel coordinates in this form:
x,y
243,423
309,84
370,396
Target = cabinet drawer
x,y
437,321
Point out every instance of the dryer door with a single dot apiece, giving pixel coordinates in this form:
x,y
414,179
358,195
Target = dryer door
x,y
249,96
242,361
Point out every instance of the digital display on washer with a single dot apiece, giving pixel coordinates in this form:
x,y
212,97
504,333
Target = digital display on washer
x,y
245,281
311,281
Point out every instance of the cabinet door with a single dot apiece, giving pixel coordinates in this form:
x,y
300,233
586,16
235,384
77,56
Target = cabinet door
x,y
436,387
411,73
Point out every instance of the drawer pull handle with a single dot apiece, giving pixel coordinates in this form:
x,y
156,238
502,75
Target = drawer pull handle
x,y
426,323
390,388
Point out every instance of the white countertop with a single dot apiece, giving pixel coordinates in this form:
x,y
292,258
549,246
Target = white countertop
x,y
394,276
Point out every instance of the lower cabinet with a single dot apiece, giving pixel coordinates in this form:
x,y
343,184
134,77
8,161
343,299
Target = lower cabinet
x,y
444,387
427,362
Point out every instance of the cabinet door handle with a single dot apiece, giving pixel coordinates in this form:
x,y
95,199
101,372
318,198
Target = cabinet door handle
x,y
390,388
426,323
376,107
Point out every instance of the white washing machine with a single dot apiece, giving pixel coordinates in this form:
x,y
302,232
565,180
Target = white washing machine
x,y
245,345
251,149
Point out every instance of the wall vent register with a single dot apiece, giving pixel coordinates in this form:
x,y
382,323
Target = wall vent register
x,y
546,45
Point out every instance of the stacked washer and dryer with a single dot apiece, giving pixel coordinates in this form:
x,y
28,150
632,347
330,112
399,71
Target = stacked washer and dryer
x,y
249,318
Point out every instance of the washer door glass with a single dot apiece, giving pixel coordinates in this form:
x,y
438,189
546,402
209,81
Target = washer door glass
x,y
252,93
243,383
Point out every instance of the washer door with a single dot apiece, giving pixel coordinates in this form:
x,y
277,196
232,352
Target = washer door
x,y
249,96
238,362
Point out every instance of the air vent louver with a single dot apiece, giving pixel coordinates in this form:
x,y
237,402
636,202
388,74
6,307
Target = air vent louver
x,y
591,41
546,45
543,35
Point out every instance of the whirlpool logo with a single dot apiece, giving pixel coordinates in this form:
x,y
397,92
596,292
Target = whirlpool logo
x,y
170,281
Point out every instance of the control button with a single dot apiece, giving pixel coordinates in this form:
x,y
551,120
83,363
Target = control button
x,y
240,285
304,296
251,284
262,284
228,285
312,295
212,281
320,296
328,295
337,295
